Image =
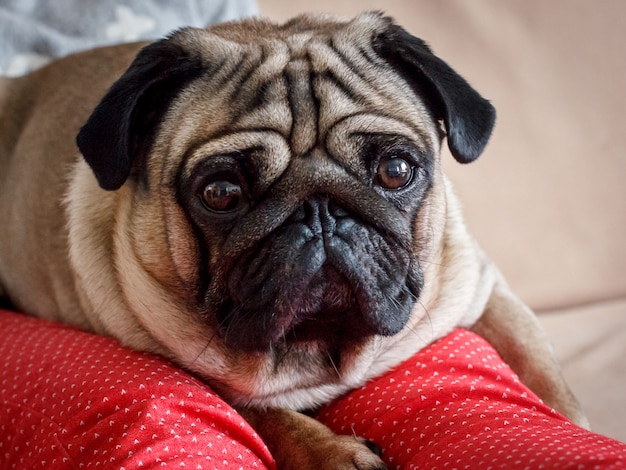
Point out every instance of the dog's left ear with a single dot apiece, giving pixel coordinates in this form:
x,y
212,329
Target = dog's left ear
x,y
467,116
120,130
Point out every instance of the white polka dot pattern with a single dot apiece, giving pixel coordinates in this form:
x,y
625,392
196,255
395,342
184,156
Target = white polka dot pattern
x,y
456,405
75,400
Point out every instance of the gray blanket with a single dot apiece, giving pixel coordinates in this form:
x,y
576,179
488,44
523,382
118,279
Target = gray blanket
x,y
33,32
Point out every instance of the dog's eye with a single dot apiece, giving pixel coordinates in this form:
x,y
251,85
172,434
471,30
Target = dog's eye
x,y
394,173
221,196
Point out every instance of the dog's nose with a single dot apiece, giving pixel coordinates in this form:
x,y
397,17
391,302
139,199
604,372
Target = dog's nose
x,y
320,214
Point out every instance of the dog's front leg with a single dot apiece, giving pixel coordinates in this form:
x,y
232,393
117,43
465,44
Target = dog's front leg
x,y
299,442
520,340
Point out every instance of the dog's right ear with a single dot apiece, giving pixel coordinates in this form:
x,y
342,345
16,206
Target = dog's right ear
x,y
120,130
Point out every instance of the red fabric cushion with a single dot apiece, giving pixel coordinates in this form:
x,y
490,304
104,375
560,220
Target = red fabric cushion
x,y
456,404
70,399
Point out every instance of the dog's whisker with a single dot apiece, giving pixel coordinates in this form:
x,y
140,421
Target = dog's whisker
x,y
332,363
204,349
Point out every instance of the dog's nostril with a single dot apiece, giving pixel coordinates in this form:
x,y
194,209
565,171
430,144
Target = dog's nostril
x,y
320,213
299,214
308,213
336,210
320,205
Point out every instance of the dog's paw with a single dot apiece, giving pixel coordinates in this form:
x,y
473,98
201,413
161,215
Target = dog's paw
x,y
342,453
299,442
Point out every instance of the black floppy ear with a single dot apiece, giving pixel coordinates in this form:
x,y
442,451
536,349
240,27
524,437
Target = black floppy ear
x,y
120,130
467,116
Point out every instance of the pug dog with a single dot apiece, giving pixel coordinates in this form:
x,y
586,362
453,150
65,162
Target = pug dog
x,y
263,204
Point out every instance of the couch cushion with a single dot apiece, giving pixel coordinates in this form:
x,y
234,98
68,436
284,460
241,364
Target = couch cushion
x,y
589,342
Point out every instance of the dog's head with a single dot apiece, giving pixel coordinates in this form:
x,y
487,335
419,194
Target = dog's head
x,y
283,181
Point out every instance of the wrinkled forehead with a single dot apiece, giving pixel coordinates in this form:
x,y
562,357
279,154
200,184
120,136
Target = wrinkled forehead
x,y
311,85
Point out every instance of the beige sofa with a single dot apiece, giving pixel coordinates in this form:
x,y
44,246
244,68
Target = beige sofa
x,y
547,200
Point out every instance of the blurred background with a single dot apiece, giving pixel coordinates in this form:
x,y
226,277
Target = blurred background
x,y
547,199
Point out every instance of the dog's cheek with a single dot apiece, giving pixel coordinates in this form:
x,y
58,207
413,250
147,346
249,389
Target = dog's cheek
x,y
185,250
165,244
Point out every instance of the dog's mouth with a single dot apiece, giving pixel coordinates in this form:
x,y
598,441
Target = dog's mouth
x,y
323,277
328,309
326,313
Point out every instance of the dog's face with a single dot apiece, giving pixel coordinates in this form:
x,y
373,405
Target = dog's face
x,y
279,185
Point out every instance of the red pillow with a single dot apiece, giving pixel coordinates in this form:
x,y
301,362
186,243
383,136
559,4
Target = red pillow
x,y
456,404
71,399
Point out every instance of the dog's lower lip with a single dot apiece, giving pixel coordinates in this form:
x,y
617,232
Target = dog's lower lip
x,y
313,329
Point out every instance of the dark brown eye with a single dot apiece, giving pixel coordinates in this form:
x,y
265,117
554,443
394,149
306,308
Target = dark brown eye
x,y
221,196
394,173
